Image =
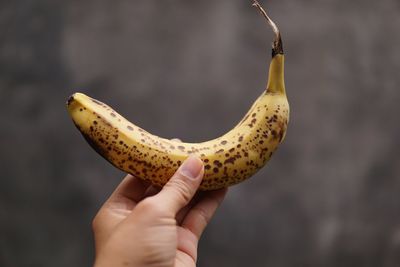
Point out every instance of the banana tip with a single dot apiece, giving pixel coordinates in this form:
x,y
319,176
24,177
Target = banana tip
x,y
70,99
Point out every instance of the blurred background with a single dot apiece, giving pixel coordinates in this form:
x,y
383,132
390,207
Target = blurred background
x,y
190,69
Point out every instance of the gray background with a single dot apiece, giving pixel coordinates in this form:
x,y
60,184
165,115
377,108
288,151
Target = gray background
x,y
190,69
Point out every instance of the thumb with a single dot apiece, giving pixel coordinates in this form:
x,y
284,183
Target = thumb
x,y
182,186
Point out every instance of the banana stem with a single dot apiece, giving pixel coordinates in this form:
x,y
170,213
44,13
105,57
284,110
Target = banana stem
x,y
276,78
277,46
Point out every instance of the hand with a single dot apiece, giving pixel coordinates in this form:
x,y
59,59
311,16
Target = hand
x,y
139,226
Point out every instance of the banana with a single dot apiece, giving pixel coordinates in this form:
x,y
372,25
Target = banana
x,y
228,160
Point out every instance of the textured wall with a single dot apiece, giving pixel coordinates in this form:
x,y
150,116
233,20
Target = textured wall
x,y
190,69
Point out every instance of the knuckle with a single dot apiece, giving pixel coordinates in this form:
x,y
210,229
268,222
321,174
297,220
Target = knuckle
x,y
150,204
204,216
96,222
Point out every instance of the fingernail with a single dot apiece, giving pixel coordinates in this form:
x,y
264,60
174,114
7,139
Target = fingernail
x,y
191,167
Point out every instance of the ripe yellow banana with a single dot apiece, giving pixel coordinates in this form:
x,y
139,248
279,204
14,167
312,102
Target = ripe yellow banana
x,y
228,160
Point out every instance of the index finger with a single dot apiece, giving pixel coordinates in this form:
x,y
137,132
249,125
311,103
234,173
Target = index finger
x,y
200,215
131,188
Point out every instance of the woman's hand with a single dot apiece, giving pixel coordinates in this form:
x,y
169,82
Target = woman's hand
x,y
139,226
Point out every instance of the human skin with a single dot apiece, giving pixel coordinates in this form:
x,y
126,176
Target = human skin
x,y
140,225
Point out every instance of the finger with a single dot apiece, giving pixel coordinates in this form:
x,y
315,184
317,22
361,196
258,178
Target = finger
x,y
186,254
185,210
198,217
182,186
131,188
152,190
